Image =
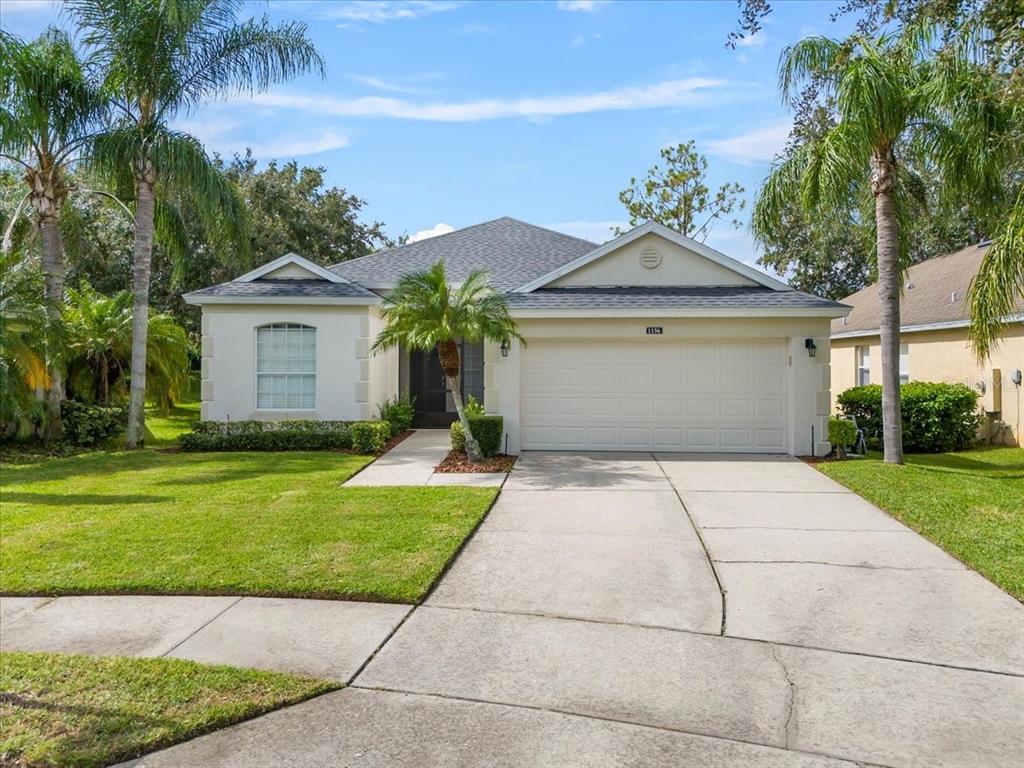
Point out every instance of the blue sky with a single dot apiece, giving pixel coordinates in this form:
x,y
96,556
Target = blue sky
x,y
440,112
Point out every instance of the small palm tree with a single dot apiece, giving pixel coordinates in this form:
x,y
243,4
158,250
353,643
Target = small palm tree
x,y
425,311
895,99
99,344
23,341
158,58
47,108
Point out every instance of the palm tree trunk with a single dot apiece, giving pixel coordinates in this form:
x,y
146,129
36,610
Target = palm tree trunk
x,y
450,364
53,277
141,258
883,176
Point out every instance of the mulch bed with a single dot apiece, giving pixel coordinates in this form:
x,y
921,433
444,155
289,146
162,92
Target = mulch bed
x,y
457,461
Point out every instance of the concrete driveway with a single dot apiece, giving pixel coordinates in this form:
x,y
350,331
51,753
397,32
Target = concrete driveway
x,y
683,610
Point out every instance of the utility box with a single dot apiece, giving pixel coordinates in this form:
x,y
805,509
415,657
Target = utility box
x,y
992,396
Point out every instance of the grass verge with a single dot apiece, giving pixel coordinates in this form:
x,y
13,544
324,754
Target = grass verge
x,y
969,503
148,522
83,711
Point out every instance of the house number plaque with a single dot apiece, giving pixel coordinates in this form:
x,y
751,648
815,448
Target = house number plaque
x,y
654,330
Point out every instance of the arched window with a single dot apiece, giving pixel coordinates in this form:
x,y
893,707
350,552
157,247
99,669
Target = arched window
x,y
286,367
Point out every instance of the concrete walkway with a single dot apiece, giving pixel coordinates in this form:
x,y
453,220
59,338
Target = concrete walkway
x,y
330,639
413,460
634,610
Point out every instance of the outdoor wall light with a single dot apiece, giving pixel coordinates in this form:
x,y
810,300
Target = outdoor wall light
x,y
812,348
504,347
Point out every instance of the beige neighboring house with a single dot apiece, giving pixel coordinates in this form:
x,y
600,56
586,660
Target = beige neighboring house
x,y
651,341
934,319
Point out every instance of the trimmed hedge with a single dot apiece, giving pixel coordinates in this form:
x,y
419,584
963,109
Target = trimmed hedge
x,y
488,431
937,417
292,435
369,436
86,424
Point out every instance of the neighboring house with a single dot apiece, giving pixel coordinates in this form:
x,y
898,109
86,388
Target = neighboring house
x,y
935,319
652,341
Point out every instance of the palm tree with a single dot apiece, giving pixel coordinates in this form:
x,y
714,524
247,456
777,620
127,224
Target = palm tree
x,y
99,344
425,311
999,284
47,107
156,59
895,99
23,340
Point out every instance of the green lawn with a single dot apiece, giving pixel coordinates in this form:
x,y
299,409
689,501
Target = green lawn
x,y
81,711
231,523
970,503
163,429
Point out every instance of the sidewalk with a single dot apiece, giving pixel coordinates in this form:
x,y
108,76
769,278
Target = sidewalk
x,y
329,639
412,462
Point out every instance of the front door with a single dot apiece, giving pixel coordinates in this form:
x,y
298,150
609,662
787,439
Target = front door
x,y
427,385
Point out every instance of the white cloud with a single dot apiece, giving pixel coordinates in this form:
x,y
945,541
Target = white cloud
x,y
381,11
595,231
670,93
756,146
228,136
402,85
425,234
756,40
586,6
287,147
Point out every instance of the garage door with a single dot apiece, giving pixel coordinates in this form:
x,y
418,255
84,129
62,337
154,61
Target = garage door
x,y
654,395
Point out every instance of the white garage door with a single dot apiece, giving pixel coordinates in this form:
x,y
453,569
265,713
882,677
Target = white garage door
x,y
654,395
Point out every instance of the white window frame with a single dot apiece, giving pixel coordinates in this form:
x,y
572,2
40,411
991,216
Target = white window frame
x,y
904,362
257,374
860,368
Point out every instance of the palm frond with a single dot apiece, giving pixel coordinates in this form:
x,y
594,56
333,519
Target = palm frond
x,y
997,291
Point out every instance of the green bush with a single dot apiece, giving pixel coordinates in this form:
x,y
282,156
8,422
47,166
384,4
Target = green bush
x,y
369,436
256,425
399,413
842,433
270,440
86,424
488,431
473,407
936,416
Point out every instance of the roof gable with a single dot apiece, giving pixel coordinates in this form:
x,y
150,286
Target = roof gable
x,y
291,266
653,254
511,251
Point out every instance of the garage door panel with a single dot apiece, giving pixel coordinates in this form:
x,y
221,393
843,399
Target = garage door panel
x,y
655,395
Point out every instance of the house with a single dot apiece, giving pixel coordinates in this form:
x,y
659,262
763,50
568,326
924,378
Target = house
x,y
934,317
650,341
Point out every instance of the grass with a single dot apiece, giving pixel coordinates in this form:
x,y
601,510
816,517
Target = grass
x,y
154,522
65,710
163,429
969,503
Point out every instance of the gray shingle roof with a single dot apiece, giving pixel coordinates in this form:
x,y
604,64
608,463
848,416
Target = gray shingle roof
x,y
318,289
682,297
513,251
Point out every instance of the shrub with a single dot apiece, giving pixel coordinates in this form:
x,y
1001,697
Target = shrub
x,y
369,436
253,435
473,408
841,433
488,431
399,413
936,416
86,424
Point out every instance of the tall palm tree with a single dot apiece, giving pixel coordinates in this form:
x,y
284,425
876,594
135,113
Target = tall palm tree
x,y
425,311
156,59
895,99
47,108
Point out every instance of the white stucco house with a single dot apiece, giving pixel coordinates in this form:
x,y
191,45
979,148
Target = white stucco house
x,y
651,341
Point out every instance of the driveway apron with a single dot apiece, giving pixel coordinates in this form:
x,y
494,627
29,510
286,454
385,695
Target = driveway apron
x,y
677,610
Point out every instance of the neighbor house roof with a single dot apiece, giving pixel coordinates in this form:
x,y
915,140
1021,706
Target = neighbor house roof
x,y
934,296
741,297
512,251
284,290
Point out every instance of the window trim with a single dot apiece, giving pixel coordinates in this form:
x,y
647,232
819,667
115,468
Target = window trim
x,y
257,374
858,367
904,374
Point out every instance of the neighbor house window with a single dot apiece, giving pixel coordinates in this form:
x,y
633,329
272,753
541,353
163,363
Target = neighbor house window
x,y
904,364
286,367
863,366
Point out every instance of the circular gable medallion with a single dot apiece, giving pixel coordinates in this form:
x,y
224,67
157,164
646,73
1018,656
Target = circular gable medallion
x,y
650,257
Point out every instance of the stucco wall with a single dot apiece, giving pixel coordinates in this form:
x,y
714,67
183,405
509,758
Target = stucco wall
x,y
809,377
944,356
678,267
229,360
